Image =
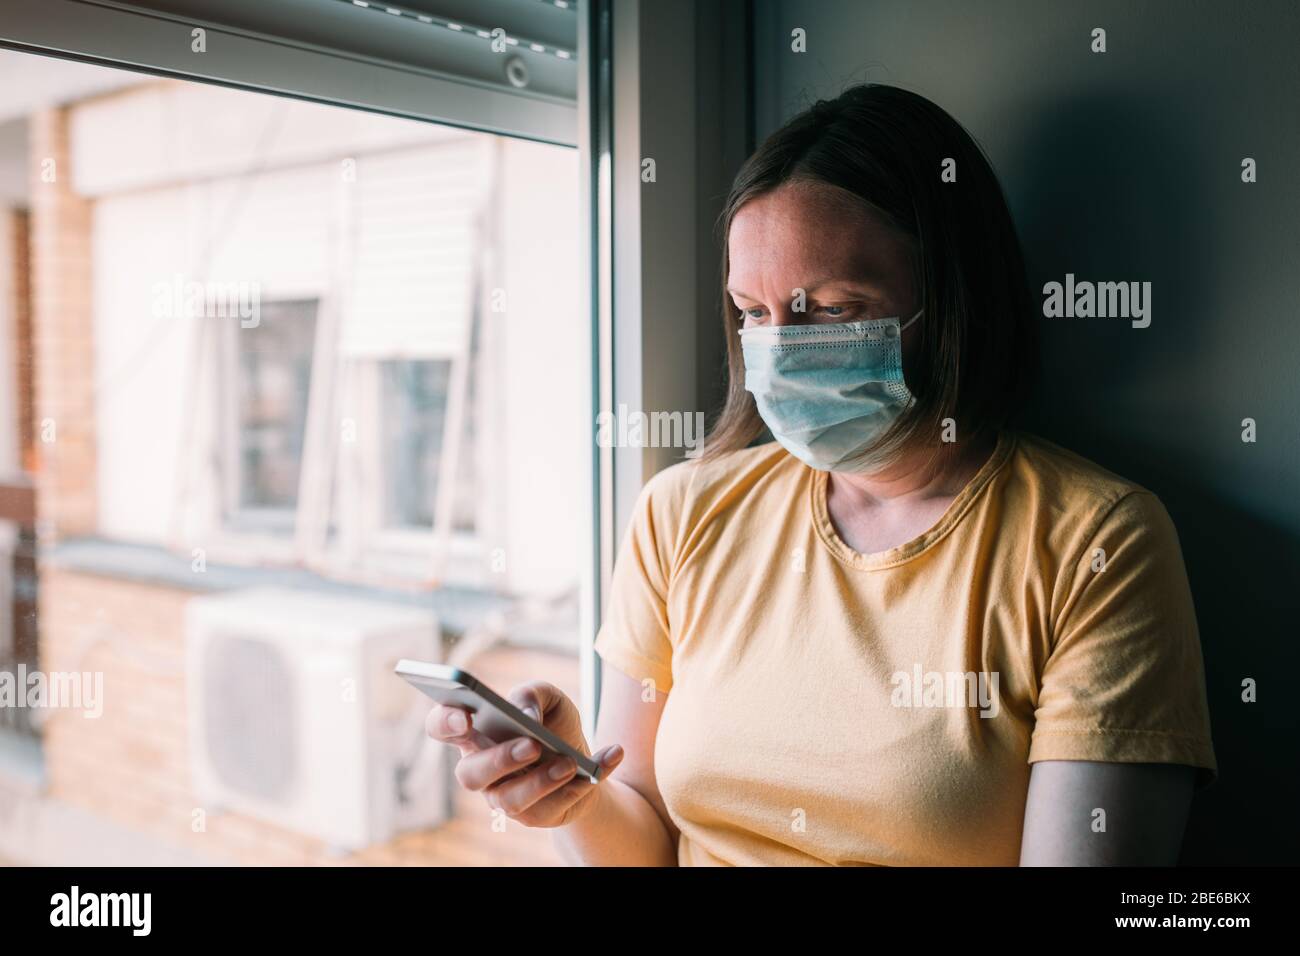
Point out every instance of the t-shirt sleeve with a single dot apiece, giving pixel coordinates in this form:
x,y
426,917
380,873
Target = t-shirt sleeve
x,y
1124,681
635,636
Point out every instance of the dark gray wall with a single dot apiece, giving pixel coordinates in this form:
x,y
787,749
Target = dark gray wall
x,y
1127,166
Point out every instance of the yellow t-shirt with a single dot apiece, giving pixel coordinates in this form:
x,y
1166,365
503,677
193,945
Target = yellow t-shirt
x,y
830,707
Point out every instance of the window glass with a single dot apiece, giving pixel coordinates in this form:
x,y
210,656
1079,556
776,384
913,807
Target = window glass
x,y
312,397
272,385
414,420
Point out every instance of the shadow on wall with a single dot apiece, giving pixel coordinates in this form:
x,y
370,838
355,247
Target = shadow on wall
x,y
1147,404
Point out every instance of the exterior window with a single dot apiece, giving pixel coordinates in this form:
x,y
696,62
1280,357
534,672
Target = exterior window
x,y
414,401
271,373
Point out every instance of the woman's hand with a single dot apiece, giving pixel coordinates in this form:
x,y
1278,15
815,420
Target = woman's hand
x,y
534,788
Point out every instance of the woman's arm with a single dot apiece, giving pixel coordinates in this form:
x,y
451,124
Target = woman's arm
x,y
629,826
1086,813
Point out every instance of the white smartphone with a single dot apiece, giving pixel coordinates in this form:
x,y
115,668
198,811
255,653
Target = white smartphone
x,y
494,716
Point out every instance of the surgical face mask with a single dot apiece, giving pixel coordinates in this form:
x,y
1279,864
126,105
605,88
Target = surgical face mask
x,y
827,392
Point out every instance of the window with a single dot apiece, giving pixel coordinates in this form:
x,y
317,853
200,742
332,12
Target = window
x,y
430,481
414,402
375,435
267,387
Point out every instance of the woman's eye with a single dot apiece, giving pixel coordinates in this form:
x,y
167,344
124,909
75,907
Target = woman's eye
x,y
753,313
837,311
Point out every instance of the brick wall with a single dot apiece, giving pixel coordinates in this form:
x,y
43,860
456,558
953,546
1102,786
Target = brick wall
x,y
62,330
131,765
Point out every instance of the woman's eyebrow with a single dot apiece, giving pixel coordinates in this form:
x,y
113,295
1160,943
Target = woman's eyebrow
x,y
859,285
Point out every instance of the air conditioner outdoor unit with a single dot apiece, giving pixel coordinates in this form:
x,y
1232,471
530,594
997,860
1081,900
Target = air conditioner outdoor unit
x,y
296,717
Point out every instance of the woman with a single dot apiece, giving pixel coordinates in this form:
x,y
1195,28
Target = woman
x,y
901,632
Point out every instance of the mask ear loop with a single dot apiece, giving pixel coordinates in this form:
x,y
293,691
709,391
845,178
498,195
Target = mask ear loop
x,y
911,320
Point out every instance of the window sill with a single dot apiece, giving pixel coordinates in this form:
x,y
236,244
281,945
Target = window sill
x,y
458,608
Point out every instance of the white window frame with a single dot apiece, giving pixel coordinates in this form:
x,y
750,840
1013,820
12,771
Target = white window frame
x,y
369,544
278,523
248,543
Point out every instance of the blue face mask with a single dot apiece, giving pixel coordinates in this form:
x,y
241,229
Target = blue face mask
x,y
827,392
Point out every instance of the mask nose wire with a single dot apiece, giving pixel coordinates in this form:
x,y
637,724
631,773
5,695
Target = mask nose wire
x,y
740,332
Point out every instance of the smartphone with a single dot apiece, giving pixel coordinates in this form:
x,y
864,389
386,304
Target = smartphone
x,y
494,716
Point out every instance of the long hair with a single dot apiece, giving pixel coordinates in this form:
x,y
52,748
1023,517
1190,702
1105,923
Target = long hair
x,y
976,346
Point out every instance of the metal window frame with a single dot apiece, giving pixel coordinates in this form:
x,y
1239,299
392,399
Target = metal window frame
x,y
670,80
595,122
103,33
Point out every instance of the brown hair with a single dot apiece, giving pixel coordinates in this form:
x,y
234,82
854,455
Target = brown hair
x,y
976,343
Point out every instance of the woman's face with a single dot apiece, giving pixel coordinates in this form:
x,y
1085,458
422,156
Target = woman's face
x,y
804,235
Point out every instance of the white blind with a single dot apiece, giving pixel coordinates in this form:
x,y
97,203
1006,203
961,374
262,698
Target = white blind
x,y
417,225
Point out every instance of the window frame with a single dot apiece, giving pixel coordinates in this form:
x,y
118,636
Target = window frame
x,y
459,552
235,518
251,537
158,42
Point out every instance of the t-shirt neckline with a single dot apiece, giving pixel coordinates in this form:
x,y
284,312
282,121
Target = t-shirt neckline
x,y
908,550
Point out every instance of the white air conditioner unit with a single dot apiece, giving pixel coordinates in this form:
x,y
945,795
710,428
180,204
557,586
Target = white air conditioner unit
x,y
296,717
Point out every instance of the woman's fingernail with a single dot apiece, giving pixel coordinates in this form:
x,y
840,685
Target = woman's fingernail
x,y
532,712
562,768
612,754
523,749
456,722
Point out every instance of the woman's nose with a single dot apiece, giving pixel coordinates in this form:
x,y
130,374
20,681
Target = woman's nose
x,y
786,315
